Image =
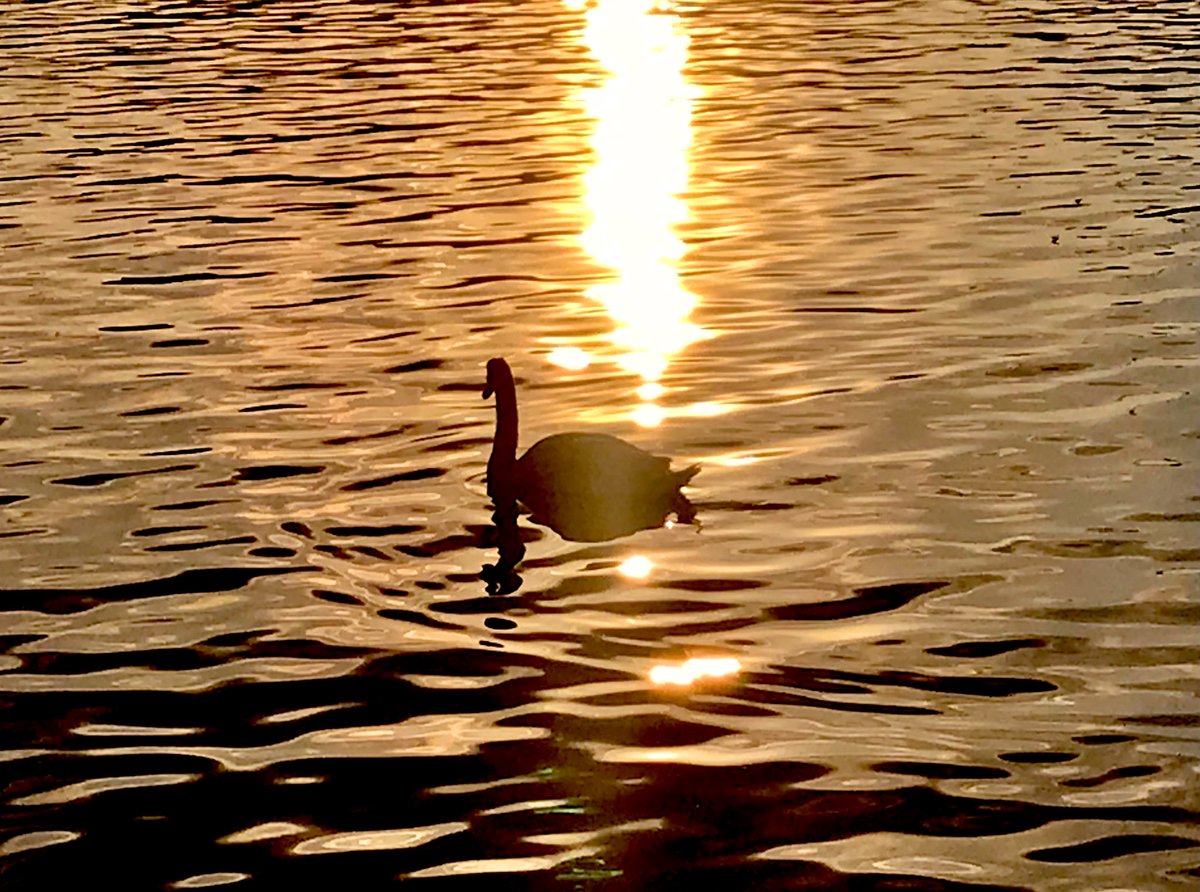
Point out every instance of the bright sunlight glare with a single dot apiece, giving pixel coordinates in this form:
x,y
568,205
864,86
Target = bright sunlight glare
x,y
694,669
636,567
570,358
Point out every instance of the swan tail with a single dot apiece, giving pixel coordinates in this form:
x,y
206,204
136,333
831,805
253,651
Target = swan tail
x,y
682,478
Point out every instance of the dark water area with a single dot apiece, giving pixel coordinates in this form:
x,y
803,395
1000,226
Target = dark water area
x,y
914,283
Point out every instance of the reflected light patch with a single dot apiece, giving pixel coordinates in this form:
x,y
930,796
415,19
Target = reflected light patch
x,y
376,840
38,839
694,669
636,567
648,415
708,410
650,391
735,461
636,6
267,830
570,358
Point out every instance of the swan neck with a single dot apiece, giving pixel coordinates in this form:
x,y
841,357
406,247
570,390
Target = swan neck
x,y
504,445
506,423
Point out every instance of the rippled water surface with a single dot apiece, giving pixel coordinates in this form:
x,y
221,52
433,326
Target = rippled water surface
x,y
915,283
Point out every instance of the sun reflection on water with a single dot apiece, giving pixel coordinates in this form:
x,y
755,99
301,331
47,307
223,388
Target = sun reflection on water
x,y
641,140
636,567
691,671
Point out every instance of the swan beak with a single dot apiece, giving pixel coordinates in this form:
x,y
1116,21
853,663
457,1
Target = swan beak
x,y
487,391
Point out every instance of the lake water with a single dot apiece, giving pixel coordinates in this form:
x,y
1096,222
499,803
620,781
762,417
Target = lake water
x,y
915,283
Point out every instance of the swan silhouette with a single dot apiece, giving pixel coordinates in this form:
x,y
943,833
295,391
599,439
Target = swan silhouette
x,y
587,487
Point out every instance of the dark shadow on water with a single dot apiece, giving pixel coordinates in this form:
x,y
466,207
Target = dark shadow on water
x,y
77,600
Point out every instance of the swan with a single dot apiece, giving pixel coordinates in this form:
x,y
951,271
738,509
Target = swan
x,y
587,487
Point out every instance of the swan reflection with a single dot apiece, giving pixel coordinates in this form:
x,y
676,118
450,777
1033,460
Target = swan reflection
x,y
587,487
641,140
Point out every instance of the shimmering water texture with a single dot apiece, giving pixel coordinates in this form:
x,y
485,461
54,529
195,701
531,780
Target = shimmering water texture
x,y
914,284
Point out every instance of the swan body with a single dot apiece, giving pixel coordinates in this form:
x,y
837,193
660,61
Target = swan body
x,y
587,487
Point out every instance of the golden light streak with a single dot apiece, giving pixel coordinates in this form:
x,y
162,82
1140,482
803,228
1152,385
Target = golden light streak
x,y
692,670
641,141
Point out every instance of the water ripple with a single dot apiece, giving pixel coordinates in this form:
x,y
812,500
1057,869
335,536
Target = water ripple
x,y
914,284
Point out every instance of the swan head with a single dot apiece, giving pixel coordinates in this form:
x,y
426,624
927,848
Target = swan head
x,y
498,375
